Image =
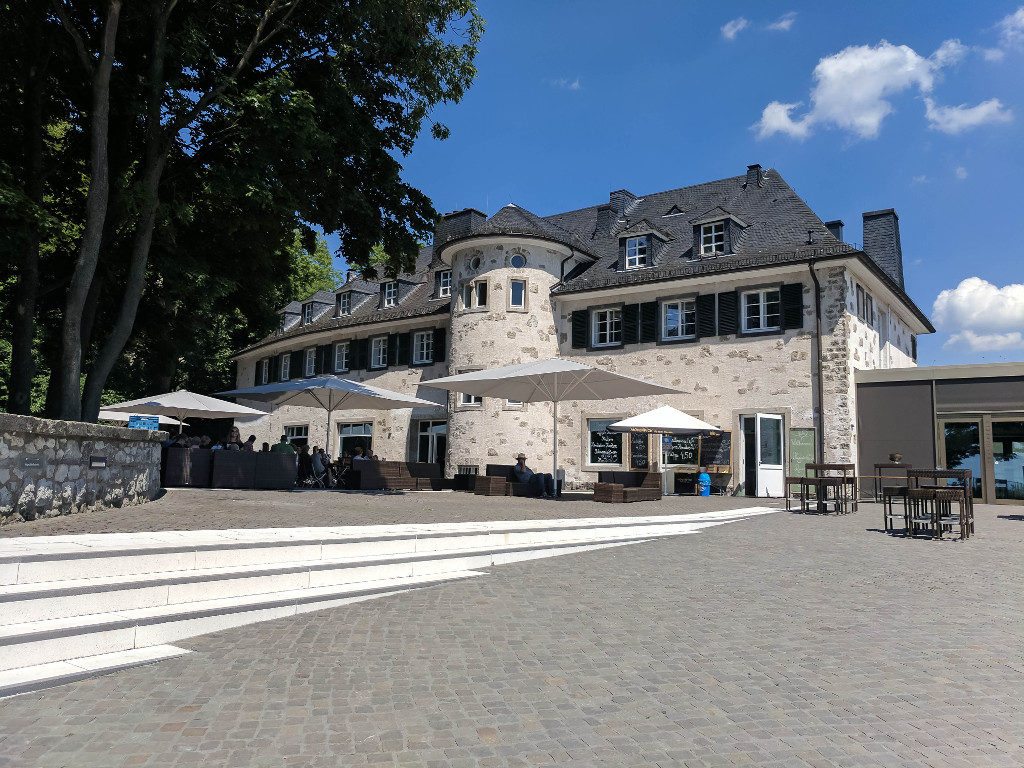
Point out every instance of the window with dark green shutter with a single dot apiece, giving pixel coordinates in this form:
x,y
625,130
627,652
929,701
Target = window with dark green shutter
x,y
792,306
706,321
649,321
404,346
275,368
393,349
728,313
295,367
631,324
580,328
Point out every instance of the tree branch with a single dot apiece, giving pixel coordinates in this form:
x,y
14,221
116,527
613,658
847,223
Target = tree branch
x,y
76,36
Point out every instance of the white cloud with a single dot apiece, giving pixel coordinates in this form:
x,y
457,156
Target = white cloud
x,y
1011,29
783,23
986,342
993,54
922,179
565,83
732,28
978,312
960,172
852,91
963,118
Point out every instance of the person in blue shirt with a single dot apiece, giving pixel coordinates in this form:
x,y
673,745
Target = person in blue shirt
x,y
544,485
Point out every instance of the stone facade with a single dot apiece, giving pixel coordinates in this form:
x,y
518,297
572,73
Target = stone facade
x,y
50,468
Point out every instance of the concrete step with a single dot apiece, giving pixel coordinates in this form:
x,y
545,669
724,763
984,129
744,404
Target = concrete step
x,y
41,601
54,640
57,558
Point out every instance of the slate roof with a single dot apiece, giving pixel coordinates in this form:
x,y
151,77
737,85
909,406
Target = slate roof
x,y
514,220
417,303
774,221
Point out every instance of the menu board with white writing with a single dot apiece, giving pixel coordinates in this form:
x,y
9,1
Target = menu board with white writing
x,y
638,458
605,447
716,449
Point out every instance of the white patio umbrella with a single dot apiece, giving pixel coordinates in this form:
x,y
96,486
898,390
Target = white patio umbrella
x,y
663,421
549,381
121,417
182,404
331,393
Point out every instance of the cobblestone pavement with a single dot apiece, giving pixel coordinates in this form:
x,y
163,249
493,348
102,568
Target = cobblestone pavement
x,y
198,508
782,640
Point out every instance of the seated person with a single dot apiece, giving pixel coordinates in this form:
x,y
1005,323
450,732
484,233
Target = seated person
x,y
357,454
283,447
305,463
320,466
250,444
265,448
543,485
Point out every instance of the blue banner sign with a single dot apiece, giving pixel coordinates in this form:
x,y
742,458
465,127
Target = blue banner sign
x,y
143,422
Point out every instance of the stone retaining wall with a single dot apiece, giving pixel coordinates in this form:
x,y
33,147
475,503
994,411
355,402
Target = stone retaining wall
x,y
50,467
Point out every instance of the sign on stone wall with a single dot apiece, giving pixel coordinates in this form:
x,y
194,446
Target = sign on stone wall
x,y
143,422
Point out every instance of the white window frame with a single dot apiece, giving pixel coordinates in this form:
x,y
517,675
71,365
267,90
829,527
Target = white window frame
x,y
636,252
467,400
307,313
511,302
423,353
390,294
684,307
712,238
346,361
379,352
286,366
606,321
444,284
761,295
514,404
265,371
471,290
293,431
344,303
309,365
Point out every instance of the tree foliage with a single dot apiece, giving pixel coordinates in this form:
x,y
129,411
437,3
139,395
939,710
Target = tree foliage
x,y
168,163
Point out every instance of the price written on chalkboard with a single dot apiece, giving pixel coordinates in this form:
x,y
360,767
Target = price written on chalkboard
x,y
638,458
716,450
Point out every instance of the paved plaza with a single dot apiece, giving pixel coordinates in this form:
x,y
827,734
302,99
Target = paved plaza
x,y
199,508
783,640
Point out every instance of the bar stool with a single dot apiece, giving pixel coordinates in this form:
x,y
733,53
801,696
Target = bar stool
x,y
889,514
945,518
919,504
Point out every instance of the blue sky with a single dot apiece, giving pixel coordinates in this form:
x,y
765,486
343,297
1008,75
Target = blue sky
x,y
575,99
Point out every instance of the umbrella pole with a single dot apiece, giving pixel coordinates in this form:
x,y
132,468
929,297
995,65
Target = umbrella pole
x,y
554,474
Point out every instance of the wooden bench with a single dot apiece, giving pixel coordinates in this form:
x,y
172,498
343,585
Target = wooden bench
x,y
614,487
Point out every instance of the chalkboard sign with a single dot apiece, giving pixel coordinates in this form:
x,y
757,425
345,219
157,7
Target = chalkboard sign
x,y
605,447
638,458
97,462
680,449
32,462
801,450
716,449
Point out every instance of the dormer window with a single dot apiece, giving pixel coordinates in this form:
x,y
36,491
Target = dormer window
x,y
712,238
307,313
444,284
344,306
280,325
636,252
390,294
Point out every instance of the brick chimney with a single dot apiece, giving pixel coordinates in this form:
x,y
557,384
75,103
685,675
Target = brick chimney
x,y
836,228
754,176
458,224
882,242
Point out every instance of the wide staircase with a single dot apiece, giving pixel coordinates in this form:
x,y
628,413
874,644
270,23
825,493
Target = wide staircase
x,y
71,606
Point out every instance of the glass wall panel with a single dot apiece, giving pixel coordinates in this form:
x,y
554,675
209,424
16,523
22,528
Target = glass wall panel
x,y
963,449
1008,458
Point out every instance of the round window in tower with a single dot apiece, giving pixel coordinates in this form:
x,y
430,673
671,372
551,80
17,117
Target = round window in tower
x,y
474,263
518,261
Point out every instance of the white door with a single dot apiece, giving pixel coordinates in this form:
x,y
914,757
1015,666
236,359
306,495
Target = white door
x,y
770,472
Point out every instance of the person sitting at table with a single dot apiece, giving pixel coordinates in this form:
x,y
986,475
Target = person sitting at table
x,y
265,448
284,446
319,467
250,444
357,454
305,463
543,485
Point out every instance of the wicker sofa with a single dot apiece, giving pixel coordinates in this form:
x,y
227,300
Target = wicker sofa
x,y
618,487
397,476
497,481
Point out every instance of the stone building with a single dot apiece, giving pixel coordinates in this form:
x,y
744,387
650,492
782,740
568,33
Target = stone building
x,y
732,291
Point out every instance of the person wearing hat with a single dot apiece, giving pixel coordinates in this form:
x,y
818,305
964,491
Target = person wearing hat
x,y
543,484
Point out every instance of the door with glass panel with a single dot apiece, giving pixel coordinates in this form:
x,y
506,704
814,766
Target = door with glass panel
x,y
763,454
432,441
1008,460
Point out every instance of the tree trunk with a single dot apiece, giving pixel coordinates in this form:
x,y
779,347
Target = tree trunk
x,y
70,370
23,330
153,167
